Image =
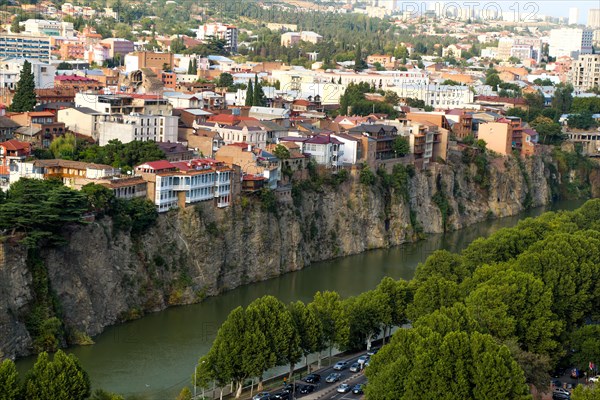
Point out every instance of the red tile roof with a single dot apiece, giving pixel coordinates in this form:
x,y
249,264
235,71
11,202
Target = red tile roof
x,y
229,119
15,145
72,78
158,165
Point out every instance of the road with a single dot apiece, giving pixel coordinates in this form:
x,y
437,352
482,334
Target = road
x,y
327,391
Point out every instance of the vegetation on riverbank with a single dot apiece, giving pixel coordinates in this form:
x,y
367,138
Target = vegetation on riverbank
x,y
487,322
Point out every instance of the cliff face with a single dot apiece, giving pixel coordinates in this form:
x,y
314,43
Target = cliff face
x,y
104,277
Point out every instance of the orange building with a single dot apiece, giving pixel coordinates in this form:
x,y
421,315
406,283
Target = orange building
x,y
72,51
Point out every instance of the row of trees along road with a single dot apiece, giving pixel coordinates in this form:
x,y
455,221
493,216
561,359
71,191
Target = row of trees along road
x,y
268,333
487,322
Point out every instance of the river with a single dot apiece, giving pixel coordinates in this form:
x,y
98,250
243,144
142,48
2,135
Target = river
x,y
154,357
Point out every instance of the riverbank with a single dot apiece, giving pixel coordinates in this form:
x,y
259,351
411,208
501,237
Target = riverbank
x,y
154,357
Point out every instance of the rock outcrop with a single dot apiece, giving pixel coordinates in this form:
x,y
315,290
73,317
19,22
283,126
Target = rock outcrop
x,y
103,277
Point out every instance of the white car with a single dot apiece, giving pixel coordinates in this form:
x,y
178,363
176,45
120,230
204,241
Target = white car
x,y
340,365
344,388
595,379
363,359
562,390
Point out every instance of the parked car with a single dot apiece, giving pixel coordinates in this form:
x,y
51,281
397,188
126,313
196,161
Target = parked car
x,y
560,396
373,351
340,365
306,389
333,377
355,367
344,388
289,388
358,389
363,359
281,396
594,379
562,391
312,378
262,396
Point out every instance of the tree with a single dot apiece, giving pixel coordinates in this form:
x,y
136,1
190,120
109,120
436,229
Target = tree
x,y
586,393
24,98
583,120
392,98
581,104
585,346
60,379
401,146
100,394
225,80
100,198
185,394
329,311
177,45
493,80
397,295
63,65
258,99
550,132
308,327
563,98
9,381
64,147
249,94
359,63
281,152
367,313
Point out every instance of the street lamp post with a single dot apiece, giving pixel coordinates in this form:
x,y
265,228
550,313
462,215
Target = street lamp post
x,y
196,373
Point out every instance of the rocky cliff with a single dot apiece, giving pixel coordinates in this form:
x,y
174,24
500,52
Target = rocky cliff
x,y
103,277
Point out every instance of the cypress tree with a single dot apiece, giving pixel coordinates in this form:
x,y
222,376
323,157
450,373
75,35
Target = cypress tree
x,y
195,66
249,94
190,70
24,99
259,95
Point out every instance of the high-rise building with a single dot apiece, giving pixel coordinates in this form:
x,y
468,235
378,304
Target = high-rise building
x,y
229,33
570,42
25,46
594,18
573,15
585,72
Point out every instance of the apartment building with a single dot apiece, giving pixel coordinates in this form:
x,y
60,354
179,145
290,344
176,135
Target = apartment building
x,y
585,72
118,46
44,27
178,184
143,127
148,59
124,104
229,33
43,73
570,42
28,46
325,149
81,120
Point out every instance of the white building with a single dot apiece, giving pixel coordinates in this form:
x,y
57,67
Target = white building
x,y
326,150
81,120
351,147
585,72
10,70
570,42
127,128
594,18
25,46
573,15
183,100
44,27
229,33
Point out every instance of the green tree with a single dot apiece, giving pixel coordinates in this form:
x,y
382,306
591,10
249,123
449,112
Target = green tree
x,y
249,94
582,104
185,394
563,98
63,65
550,132
392,98
177,45
398,296
258,99
586,393
367,314
100,198
281,152
401,146
582,120
60,379
100,394
10,388
493,80
359,63
24,98
64,147
225,80
308,327
329,311
585,346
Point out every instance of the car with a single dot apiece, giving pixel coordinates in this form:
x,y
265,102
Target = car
x,y
312,378
373,351
306,389
595,379
262,396
333,377
556,383
344,388
355,367
289,388
367,363
340,365
363,359
562,391
281,396
358,388
560,396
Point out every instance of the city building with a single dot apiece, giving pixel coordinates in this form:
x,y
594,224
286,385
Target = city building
x,y
127,128
10,70
148,59
80,120
573,15
311,37
70,172
290,39
252,161
25,46
37,127
76,82
229,33
43,27
178,184
585,72
325,149
570,42
118,46
593,20
124,104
